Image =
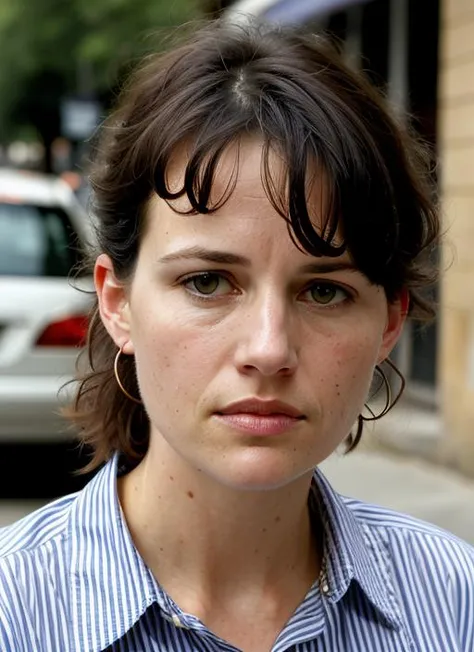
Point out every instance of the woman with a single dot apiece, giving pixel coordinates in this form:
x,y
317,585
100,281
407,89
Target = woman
x,y
265,228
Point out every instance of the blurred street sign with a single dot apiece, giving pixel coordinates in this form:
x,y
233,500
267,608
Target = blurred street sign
x,y
79,118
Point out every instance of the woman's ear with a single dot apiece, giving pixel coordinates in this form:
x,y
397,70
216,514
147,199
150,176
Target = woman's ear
x,y
397,312
113,303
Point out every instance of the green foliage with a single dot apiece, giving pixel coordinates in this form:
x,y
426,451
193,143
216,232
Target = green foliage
x,y
49,48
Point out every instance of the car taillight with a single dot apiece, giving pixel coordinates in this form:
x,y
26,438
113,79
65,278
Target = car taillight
x,y
70,331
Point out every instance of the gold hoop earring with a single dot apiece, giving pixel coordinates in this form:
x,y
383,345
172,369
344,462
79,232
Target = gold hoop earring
x,y
389,403
119,382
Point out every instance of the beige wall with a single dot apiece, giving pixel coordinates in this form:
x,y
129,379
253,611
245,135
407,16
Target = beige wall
x,y
456,119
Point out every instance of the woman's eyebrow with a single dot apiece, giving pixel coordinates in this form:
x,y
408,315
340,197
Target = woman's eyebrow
x,y
226,258
208,255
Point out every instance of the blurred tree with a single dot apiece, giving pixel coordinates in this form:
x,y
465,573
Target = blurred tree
x,y
53,48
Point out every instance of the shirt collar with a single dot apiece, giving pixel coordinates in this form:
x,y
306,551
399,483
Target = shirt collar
x,y
111,587
353,553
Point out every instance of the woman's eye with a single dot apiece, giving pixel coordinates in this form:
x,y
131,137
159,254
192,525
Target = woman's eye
x,y
326,294
207,284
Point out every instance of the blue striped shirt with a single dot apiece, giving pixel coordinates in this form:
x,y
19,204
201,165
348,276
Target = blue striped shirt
x,y
71,579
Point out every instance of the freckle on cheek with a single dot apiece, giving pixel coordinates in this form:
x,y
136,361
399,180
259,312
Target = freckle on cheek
x,y
190,494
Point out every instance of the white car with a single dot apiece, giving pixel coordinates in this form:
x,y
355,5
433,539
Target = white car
x,y
44,233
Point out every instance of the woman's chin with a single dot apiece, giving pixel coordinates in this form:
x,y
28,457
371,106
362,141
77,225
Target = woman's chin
x,y
259,471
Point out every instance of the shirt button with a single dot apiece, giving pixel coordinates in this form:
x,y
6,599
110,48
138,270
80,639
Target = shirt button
x,y
325,588
177,622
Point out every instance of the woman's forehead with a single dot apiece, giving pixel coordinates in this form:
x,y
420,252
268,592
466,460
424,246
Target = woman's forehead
x,y
249,169
247,232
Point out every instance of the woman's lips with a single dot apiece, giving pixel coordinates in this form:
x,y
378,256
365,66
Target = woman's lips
x,y
259,424
260,417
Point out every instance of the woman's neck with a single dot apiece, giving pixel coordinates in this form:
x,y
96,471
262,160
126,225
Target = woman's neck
x,y
222,542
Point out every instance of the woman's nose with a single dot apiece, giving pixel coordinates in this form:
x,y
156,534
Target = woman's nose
x,y
265,343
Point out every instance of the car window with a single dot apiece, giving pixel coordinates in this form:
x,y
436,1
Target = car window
x,y
36,241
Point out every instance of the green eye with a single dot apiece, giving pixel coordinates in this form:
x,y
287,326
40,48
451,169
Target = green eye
x,y
323,293
206,283
327,293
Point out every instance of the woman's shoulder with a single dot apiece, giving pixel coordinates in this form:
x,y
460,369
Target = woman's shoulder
x,y
33,552
36,530
410,540
376,516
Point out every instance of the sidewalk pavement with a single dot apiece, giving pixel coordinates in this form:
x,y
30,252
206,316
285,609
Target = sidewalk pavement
x,y
427,491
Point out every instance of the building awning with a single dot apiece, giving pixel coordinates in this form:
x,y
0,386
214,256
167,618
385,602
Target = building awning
x,y
287,11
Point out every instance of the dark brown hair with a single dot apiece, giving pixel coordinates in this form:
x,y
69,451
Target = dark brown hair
x,y
292,90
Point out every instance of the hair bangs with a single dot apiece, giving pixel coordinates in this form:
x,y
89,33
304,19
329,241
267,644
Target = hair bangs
x,y
305,197
197,179
317,230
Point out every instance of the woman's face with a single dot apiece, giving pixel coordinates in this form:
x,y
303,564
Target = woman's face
x,y
224,308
